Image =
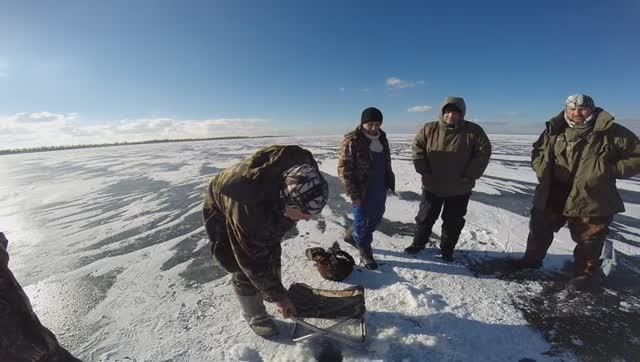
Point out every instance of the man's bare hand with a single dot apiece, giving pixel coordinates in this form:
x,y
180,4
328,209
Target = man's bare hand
x,y
286,307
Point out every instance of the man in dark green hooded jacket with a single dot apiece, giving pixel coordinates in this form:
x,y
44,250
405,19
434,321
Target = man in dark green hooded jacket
x,y
577,160
450,154
247,210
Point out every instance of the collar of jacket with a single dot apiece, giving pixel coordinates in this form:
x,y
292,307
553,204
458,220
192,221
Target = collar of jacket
x,y
603,121
457,128
359,133
248,187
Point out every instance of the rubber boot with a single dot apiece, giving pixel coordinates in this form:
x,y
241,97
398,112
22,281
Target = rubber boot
x,y
366,256
420,239
447,255
447,245
586,282
348,237
255,314
586,267
538,242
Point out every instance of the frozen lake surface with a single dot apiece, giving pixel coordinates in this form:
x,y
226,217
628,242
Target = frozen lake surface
x,y
108,244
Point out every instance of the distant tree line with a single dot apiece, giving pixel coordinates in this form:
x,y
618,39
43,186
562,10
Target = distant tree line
x,y
125,143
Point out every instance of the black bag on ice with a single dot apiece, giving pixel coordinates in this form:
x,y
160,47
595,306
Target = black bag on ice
x,y
333,264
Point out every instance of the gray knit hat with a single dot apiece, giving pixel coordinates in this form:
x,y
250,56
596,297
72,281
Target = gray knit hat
x,y
579,100
305,188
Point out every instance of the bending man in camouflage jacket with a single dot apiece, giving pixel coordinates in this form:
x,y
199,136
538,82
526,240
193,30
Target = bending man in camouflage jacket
x,y
247,209
450,154
22,336
364,166
577,160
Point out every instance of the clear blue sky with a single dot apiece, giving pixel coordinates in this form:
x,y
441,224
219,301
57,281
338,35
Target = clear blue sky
x,y
116,67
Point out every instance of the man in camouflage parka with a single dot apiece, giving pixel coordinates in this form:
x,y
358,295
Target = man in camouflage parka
x,y
364,166
22,336
247,209
450,154
577,160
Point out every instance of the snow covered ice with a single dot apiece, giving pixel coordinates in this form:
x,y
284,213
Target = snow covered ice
x,y
109,245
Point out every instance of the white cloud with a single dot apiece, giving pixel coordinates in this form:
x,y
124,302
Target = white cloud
x,y
48,129
43,117
393,82
3,74
420,109
341,89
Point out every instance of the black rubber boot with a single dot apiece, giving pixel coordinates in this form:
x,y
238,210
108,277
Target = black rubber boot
x,y
586,267
586,282
420,240
366,257
414,248
447,245
447,255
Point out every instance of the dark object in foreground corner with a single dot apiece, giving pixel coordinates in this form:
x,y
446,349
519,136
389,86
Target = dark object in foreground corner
x,y
22,336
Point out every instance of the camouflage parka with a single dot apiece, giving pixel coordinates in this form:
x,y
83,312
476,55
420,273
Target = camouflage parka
x,y
244,215
609,152
355,161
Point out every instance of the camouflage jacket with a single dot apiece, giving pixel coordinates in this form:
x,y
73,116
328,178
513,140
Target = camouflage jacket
x,y
355,161
22,336
243,203
608,152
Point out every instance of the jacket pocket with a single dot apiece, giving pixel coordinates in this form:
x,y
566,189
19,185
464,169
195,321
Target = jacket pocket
x,y
539,165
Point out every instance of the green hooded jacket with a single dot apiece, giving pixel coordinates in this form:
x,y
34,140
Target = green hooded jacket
x,y
609,152
244,203
450,159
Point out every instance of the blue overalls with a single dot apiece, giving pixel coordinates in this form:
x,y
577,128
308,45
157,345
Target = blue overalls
x,y
368,215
